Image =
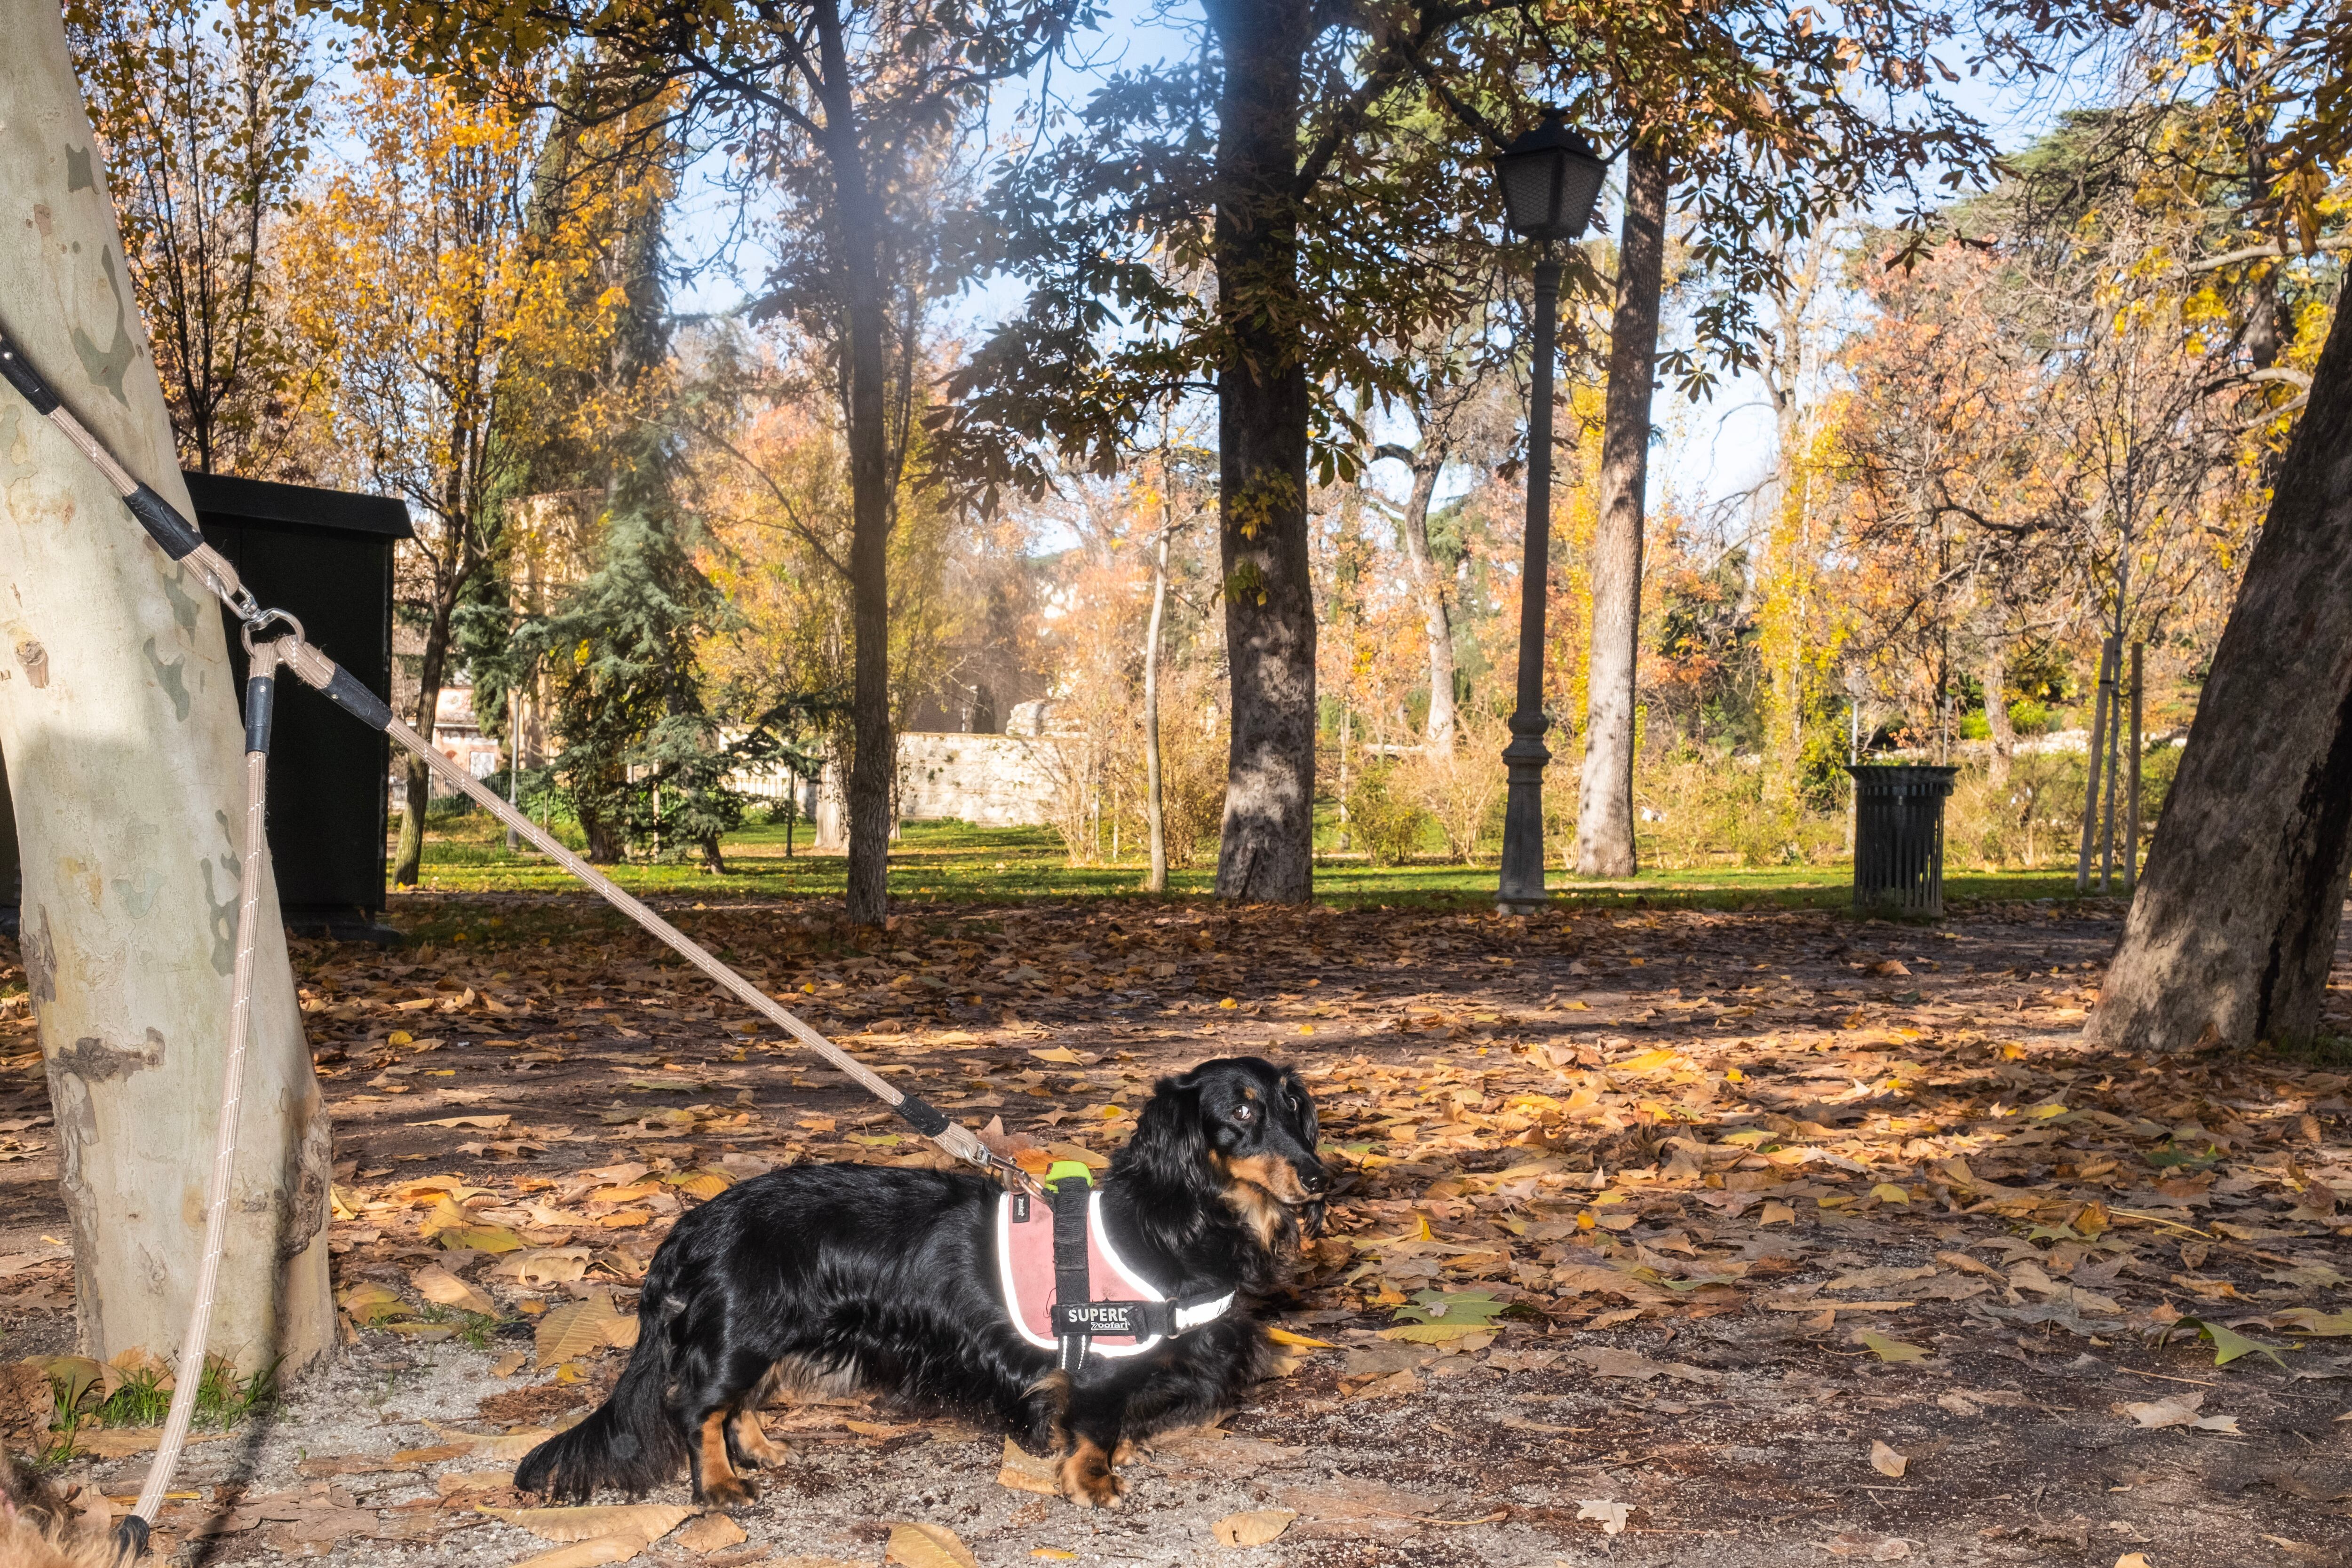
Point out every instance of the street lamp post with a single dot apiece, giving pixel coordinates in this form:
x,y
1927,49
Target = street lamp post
x,y
1550,177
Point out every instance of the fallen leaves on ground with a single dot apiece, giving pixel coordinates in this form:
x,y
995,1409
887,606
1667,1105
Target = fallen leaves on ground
x,y
915,1545
646,1521
1254,1527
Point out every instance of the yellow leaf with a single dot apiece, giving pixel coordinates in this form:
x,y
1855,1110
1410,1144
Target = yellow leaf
x,y
576,1328
1439,1333
482,1238
1022,1471
400,1036
1061,1053
2132,1560
1886,1461
926,1546
1887,1349
1778,1214
1254,1528
370,1301
1053,1553
435,1283
705,1184
1648,1062
1887,1192
644,1521
1284,1336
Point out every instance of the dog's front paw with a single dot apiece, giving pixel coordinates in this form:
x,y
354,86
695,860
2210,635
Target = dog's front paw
x,y
1087,1478
729,1492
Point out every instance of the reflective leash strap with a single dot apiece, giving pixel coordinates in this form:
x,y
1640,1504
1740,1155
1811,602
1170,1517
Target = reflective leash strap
x,y
189,1374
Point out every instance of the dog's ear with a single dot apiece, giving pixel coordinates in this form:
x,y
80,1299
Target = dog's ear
x,y
1169,1148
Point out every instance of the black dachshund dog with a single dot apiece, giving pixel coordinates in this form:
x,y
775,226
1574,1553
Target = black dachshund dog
x,y
840,1277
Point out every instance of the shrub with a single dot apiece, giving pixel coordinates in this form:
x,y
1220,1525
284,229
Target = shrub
x,y
1385,819
1462,793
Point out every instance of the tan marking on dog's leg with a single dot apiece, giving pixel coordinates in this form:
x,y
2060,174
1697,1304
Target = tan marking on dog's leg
x,y
1088,1479
751,1439
722,1487
1126,1452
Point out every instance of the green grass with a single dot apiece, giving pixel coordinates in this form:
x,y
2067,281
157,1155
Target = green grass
x,y
953,862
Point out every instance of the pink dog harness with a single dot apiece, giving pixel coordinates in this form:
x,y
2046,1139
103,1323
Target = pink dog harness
x,y
1066,1288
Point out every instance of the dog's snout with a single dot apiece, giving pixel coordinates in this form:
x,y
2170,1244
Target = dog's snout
x,y
1315,1179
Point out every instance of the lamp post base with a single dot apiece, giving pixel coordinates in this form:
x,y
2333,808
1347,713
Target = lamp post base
x,y
1521,891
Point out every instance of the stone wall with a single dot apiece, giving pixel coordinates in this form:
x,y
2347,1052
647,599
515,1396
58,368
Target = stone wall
x,y
988,780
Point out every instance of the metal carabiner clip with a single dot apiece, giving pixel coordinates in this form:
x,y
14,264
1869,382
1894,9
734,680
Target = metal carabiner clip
x,y
257,617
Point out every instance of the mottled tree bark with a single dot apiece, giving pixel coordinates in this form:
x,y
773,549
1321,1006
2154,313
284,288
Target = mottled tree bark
x,y
2230,936
1267,851
1604,818
125,757
874,761
2004,738
1429,587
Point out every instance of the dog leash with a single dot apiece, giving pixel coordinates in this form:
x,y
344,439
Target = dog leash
x,y
181,542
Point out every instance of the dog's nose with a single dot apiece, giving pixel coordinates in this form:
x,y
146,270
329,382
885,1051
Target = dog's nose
x,y
1316,1181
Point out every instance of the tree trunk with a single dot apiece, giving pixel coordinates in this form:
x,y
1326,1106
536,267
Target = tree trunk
x,y
416,779
1266,850
120,727
1153,811
2004,738
1428,584
1604,817
874,763
2230,936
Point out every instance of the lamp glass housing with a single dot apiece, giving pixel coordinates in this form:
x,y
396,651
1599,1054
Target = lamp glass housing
x,y
1550,178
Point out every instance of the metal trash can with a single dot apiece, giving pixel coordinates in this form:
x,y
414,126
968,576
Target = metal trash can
x,y
325,557
1898,838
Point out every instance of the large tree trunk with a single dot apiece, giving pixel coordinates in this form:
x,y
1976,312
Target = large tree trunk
x,y
2229,938
1267,851
1604,817
2004,738
124,752
1429,586
873,762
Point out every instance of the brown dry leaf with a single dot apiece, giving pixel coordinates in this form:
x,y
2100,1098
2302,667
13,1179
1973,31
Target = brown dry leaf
x,y
1612,1513
712,1532
588,1554
928,1546
1886,1461
577,1328
435,1283
508,1363
1024,1471
1253,1527
1868,1548
545,1265
645,1521
1612,1363
450,1483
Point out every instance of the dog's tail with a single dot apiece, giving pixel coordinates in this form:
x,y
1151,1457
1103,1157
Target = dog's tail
x,y
631,1441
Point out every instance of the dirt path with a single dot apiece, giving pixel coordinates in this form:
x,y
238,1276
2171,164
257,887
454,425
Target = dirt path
x,y
1760,1195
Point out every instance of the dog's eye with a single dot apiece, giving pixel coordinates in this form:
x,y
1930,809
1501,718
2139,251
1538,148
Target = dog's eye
x,y
1245,1114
